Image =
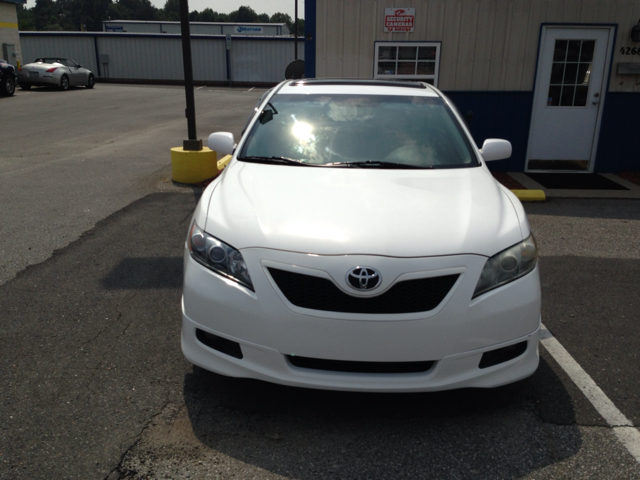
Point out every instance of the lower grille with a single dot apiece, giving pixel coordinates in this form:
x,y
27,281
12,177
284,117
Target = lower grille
x,y
359,367
501,355
220,344
409,296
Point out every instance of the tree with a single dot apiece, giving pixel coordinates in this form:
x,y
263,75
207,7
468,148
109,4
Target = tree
x,y
208,15
280,17
45,15
243,15
171,11
25,18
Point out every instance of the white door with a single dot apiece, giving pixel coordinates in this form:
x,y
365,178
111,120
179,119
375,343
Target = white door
x,y
573,65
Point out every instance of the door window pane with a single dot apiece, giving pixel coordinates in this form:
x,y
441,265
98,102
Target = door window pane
x,y
567,96
570,74
580,99
586,54
570,71
553,99
557,73
560,52
573,52
584,71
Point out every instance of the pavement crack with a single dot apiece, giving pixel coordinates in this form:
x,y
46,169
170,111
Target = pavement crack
x,y
119,469
125,330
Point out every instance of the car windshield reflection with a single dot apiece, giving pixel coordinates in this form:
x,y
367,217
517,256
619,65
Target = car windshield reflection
x,y
378,131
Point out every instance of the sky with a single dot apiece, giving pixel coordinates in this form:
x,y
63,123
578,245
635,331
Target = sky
x,y
226,6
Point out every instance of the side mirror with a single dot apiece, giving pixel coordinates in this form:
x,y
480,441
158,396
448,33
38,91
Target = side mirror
x,y
495,149
221,142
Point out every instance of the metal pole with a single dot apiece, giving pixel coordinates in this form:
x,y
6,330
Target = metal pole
x,y
193,143
295,32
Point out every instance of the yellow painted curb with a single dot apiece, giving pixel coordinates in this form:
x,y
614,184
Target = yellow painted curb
x,y
530,195
223,162
189,166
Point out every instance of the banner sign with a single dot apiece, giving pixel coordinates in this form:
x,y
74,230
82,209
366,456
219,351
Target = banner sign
x,y
248,30
399,19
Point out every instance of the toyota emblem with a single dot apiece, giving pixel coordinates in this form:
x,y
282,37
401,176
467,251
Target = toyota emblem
x,y
363,278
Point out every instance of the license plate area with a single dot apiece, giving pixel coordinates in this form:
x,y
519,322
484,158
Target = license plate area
x,y
33,74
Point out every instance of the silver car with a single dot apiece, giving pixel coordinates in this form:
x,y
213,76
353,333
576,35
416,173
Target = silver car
x,y
55,72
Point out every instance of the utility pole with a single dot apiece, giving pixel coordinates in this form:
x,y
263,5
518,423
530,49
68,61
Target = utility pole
x,y
295,32
192,143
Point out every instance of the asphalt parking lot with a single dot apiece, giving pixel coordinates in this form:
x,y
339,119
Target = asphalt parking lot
x,y
94,384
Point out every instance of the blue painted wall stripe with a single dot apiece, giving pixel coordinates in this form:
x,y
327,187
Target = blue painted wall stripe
x,y
619,144
498,115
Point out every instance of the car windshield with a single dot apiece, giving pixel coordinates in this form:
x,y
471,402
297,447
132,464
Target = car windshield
x,y
379,131
49,60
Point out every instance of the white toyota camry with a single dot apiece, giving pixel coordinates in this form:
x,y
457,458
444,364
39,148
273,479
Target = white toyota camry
x,y
357,241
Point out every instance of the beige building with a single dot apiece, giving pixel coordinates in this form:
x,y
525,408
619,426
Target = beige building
x,y
9,35
560,79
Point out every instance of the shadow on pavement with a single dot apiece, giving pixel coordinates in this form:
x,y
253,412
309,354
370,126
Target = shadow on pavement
x,y
143,273
303,433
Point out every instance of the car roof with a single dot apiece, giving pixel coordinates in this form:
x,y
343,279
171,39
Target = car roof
x,y
356,86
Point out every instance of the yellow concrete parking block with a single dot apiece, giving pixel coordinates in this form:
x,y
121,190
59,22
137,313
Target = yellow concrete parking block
x,y
530,195
223,162
189,166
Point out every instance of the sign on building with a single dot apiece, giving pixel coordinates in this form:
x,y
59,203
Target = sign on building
x,y
399,19
248,30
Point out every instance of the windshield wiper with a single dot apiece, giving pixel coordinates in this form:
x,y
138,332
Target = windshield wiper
x,y
377,164
276,161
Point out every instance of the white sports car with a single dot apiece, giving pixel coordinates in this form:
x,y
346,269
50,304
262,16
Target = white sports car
x,y
55,72
357,241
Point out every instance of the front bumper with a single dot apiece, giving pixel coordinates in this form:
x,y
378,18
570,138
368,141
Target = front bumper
x,y
268,329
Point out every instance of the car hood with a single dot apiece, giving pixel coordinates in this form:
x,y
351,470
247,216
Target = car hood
x,y
337,211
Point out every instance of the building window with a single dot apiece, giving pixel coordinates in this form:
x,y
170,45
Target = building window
x,y
407,61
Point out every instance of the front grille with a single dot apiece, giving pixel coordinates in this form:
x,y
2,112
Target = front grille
x,y
359,367
409,296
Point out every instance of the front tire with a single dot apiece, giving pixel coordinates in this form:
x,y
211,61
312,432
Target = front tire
x,y
91,81
8,86
64,83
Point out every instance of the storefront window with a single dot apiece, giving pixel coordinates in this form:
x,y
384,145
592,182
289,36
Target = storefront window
x,y
407,61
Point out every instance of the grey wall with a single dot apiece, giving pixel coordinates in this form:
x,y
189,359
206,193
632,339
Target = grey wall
x,y
158,57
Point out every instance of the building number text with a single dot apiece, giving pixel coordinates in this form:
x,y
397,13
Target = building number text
x,y
630,51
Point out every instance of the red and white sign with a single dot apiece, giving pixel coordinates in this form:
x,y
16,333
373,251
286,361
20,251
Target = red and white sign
x,y
399,19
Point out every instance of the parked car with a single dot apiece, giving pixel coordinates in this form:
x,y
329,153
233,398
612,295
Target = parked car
x,y
357,241
55,72
8,78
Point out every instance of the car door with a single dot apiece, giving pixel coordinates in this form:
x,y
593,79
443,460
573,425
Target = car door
x,y
77,75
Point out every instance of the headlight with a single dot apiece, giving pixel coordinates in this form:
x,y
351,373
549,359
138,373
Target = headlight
x,y
218,256
506,266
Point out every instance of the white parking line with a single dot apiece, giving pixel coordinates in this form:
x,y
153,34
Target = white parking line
x,y
624,429
250,89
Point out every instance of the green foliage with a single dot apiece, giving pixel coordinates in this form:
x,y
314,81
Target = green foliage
x,y
280,17
76,15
